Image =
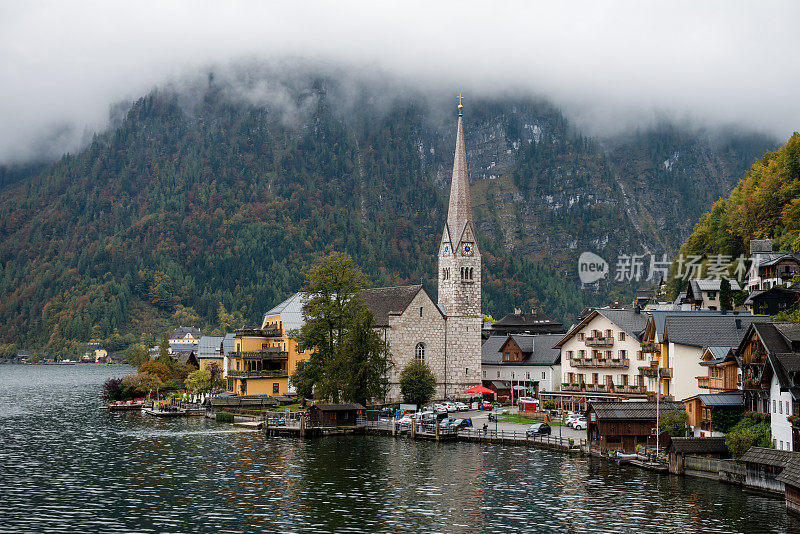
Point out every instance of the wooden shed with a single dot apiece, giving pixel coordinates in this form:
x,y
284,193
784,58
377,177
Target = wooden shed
x,y
790,476
763,467
621,426
680,448
335,414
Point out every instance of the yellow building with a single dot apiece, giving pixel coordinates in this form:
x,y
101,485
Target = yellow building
x,y
264,358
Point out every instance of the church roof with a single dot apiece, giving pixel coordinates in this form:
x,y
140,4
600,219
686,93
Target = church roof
x,y
383,301
459,211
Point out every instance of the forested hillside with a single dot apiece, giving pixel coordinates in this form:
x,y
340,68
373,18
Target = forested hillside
x,y
211,211
765,204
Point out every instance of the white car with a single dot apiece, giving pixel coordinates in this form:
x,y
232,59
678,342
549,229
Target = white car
x,y
571,418
406,420
450,407
579,423
439,408
461,407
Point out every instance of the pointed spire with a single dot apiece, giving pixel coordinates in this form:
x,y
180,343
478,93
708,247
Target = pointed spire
x,y
459,212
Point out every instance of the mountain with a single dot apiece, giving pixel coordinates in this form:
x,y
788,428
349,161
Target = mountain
x,y
202,206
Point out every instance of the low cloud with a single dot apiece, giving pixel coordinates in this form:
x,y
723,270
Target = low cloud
x,y
610,65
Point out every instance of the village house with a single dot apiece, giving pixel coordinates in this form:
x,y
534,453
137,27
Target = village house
x,y
621,426
772,301
209,351
600,353
185,338
521,364
95,353
761,340
679,339
526,323
769,269
782,374
700,407
703,293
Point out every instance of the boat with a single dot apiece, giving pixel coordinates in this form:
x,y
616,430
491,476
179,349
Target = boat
x,y
124,406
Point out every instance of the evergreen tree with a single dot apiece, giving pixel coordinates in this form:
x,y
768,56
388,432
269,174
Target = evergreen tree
x,y
725,295
417,383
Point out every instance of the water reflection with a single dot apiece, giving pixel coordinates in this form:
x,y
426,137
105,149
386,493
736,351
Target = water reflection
x,y
67,467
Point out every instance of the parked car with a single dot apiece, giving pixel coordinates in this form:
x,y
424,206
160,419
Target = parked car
x,y
571,419
538,428
461,423
450,407
462,407
579,423
487,406
387,413
446,423
439,408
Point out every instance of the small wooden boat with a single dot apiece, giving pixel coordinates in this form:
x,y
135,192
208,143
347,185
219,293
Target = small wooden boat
x,y
124,407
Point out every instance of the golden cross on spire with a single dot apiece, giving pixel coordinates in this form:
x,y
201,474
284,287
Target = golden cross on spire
x,y
460,105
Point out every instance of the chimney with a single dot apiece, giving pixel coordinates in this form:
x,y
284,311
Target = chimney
x,y
738,324
724,311
637,309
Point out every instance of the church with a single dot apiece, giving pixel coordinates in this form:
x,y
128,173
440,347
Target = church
x,y
445,334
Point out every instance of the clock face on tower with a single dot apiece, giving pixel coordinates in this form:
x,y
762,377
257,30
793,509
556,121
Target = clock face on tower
x,y
446,249
467,249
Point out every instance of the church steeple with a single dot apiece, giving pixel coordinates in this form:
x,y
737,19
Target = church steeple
x,y
459,211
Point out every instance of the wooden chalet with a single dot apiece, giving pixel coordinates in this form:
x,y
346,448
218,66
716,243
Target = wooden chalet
x,y
761,340
335,415
700,407
621,426
763,466
772,301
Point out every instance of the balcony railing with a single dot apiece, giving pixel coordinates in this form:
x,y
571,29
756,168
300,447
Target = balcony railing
x,y
623,363
752,383
652,348
259,332
272,354
277,373
703,382
652,372
599,341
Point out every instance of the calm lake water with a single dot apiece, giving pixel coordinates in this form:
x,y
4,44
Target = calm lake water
x,y
66,466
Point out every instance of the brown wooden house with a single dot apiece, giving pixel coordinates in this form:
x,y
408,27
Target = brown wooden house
x,y
680,448
330,415
621,426
761,340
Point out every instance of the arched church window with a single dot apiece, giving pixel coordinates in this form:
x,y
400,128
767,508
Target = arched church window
x,y
470,273
462,273
419,351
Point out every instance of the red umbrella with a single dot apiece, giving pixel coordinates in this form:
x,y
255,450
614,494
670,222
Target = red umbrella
x,y
479,389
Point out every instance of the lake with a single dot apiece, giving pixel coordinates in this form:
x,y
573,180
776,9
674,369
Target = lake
x,y
68,467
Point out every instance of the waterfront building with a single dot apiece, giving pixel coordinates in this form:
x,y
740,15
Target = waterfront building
x,y
602,355
335,414
700,407
790,477
680,448
678,340
621,426
209,351
185,338
782,376
528,363
764,466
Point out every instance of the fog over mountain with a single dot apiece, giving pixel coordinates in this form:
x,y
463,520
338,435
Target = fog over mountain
x,y
609,66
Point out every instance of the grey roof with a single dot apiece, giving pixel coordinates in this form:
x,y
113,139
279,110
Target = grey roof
x,y
228,344
708,330
791,473
209,347
184,356
383,301
633,410
629,321
537,348
789,293
776,257
713,284
525,319
290,311
727,398
786,367
660,317
773,457
338,407
699,445
181,331
720,355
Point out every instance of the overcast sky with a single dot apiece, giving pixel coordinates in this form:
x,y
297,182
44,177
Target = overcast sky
x,y
609,64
